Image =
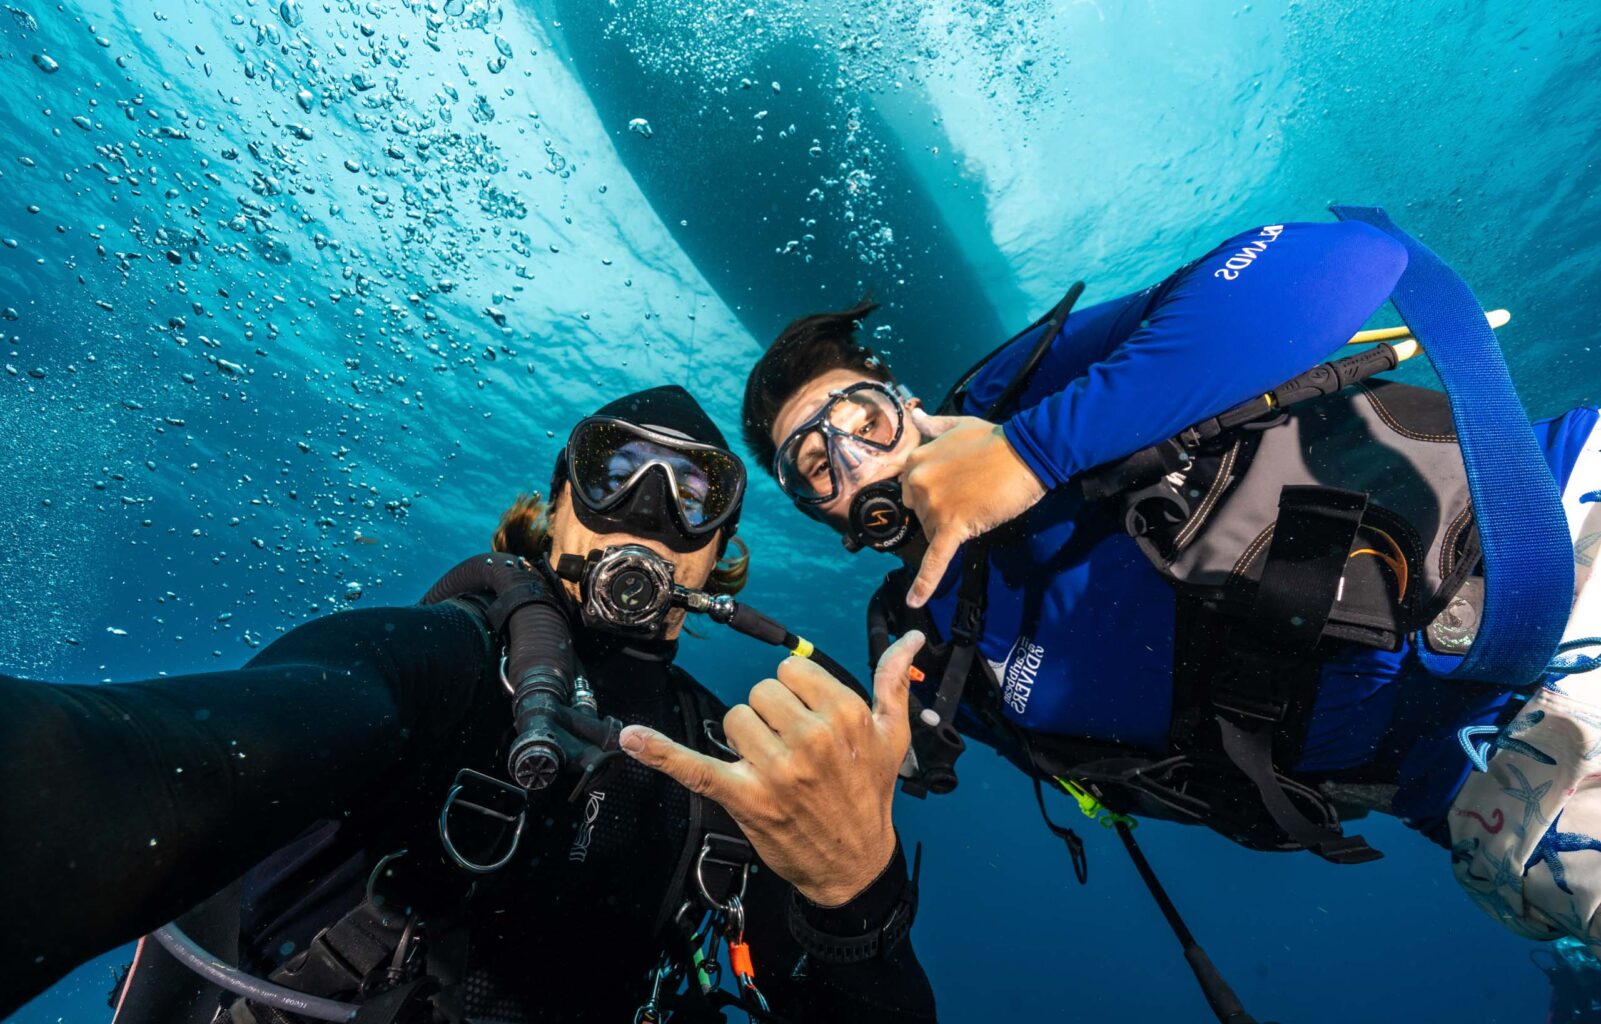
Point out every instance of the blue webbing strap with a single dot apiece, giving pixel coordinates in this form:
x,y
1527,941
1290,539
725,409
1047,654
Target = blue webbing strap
x,y
1528,559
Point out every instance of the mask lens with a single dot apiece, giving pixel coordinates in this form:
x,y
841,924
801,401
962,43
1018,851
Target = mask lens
x,y
867,415
803,469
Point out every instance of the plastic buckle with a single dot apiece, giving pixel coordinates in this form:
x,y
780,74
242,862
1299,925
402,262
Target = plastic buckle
x,y
494,788
966,622
1241,706
1347,850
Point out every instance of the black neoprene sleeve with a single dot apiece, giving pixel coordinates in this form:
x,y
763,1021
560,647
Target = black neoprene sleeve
x,y
122,805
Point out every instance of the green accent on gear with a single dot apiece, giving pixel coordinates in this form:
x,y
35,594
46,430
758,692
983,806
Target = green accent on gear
x,y
701,975
1091,807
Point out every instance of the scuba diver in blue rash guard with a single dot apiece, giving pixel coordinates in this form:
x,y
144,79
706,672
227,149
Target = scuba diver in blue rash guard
x,y
1176,565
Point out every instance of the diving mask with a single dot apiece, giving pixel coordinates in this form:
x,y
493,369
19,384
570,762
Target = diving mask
x,y
651,482
844,444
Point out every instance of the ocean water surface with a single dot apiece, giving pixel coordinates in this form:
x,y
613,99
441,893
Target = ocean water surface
x,y
298,295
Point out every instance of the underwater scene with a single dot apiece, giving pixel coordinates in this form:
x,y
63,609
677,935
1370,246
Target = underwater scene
x,y
297,296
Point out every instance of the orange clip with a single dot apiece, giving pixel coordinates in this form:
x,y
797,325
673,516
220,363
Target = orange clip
x,y
916,674
739,960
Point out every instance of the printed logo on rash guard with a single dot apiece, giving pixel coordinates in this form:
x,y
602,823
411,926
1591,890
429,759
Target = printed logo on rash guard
x,y
586,830
1018,673
1243,259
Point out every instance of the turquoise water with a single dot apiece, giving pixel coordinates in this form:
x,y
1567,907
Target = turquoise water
x,y
297,295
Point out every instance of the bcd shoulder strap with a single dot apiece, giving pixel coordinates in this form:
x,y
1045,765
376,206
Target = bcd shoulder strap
x,y
716,857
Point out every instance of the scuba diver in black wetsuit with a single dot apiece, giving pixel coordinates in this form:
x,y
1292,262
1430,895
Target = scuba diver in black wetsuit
x,y
335,817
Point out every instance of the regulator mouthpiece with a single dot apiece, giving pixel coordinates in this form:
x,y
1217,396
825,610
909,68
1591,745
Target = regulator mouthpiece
x,y
879,519
626,589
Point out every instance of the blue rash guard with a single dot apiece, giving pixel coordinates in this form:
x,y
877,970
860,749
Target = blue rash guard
x,y
1079,625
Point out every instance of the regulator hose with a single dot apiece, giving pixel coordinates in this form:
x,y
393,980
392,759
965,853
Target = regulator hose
x,y
540,667
742,618
187,952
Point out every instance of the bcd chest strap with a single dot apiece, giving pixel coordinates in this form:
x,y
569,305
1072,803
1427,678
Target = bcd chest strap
x,y
1260,680
936,744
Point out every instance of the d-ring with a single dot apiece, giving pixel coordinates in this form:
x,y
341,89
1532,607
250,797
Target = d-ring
x,y
700,869
453,799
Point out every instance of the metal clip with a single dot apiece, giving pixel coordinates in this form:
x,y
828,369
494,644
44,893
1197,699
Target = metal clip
x,y
650,1011
708,851
714,736
518,820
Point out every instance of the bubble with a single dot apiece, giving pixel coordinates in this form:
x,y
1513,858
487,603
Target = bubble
x,y
46,63
289,11
640,126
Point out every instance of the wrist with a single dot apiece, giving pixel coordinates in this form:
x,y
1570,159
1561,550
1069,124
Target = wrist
x,y
870,926
1015,461
840,890
1020,444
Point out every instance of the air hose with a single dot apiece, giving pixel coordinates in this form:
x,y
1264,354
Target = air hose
x,y
540,667
747,620
187,952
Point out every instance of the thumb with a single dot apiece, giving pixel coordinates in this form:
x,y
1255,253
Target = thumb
x,y
696,772
929,425
892,681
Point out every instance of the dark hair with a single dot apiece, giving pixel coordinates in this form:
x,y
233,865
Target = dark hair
x,y
807,348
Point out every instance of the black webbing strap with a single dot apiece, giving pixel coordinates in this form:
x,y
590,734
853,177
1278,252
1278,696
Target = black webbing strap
x,y
967,625
679,884
1312,539
1251,750
346,953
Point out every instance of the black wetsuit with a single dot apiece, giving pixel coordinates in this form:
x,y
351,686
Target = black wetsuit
x,y
124,805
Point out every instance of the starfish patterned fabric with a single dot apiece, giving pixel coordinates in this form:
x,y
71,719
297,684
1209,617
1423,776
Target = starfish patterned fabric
x,y
1526,832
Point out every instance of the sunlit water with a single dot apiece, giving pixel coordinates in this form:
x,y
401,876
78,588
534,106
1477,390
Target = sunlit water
x,y
297,295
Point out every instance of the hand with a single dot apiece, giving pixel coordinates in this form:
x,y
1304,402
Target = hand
x,y
961,485
816,775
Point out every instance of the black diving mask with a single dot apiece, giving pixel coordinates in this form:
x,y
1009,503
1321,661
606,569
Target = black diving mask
x,y
651,482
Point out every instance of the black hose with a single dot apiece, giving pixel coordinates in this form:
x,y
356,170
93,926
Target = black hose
x,y
839,672
747,620
1015,387
540,663
1219,996
187,952
953,397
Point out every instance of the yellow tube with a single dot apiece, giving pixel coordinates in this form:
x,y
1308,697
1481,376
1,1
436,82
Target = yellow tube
x,y
1497,318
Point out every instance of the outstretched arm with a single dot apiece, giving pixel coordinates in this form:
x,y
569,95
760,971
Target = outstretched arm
x,y
123,805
